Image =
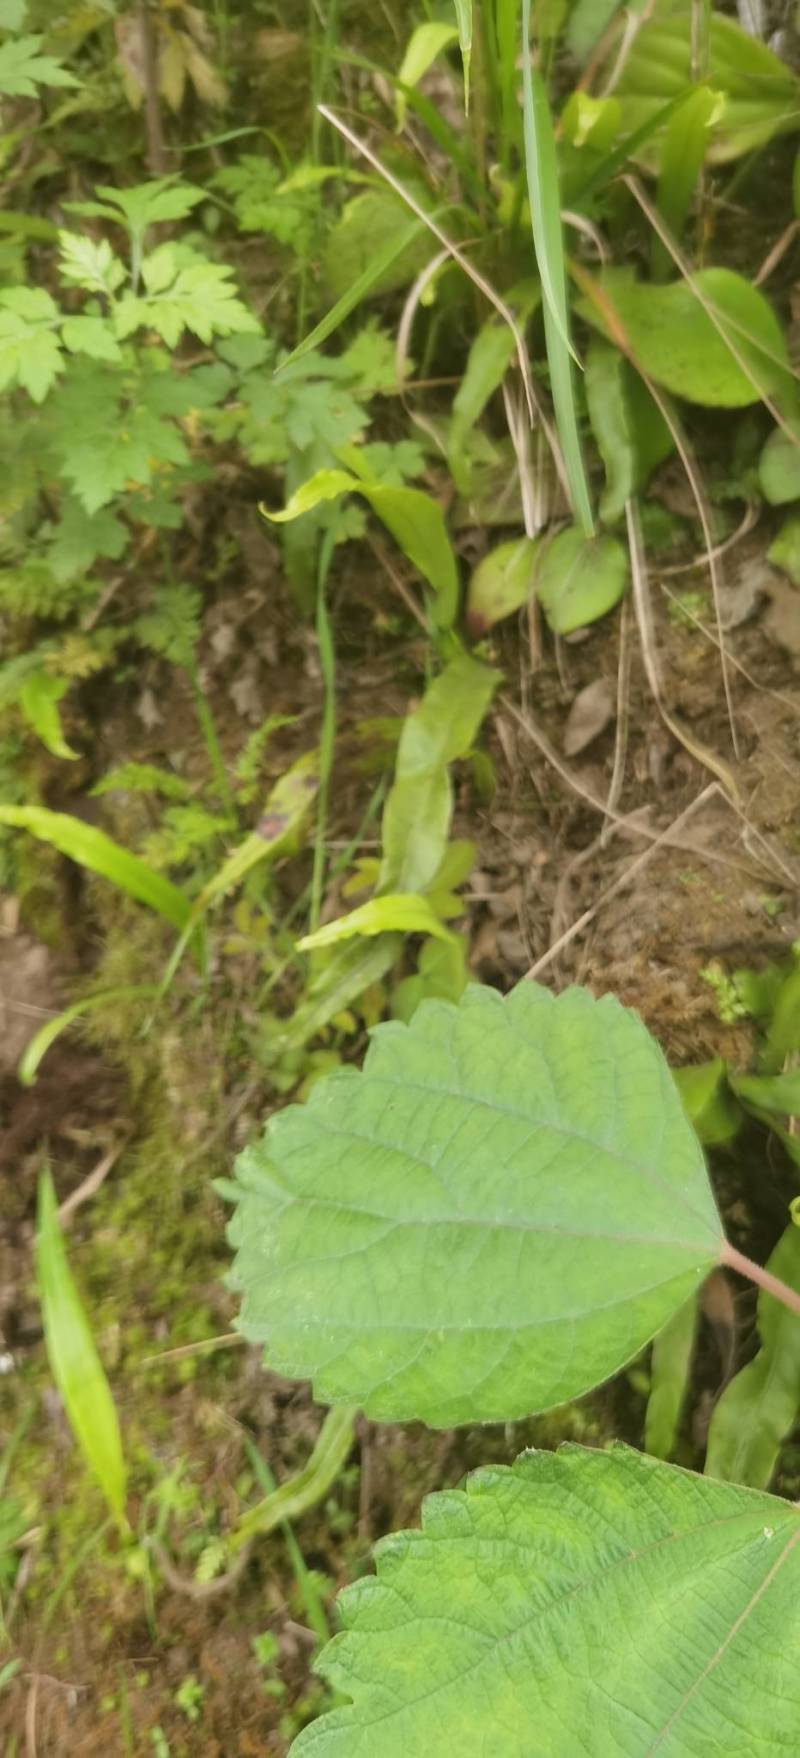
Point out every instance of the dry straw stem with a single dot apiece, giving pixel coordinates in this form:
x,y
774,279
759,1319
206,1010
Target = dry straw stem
x,y
667,837
452,249
620,338
644,619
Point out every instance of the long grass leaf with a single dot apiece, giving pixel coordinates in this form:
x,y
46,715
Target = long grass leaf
x,y
93,849
464,22
75,1364
548,241
360,290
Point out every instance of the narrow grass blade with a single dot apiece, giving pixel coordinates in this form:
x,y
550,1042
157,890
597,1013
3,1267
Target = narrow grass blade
x,y
93,849
543,193
360,290
464,22
75,1364
305,1577
46,1036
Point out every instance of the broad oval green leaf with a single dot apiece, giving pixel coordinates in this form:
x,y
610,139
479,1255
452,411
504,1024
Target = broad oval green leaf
x,y
728,360
418,811
631,433
759,1407
39,697
585,1602
425,43
779,465
75,1363
501,583
708,1102
495,1215
93,849
578,579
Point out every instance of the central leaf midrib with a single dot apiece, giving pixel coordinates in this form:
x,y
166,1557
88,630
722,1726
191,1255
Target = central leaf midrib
x,y
640,1168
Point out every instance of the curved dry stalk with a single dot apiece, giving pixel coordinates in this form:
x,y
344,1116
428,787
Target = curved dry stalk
x,y
644,618
453,250
766,689
620,339
621,738
665,838
750,519
409,312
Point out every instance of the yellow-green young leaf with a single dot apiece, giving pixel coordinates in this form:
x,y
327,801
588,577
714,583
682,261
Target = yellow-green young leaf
x,y
422,49
276,834
417,814
93,849
498,1213
75,1364
686,144
285,811
501,583
670,1368
729,360
589,121
784,550
759,1407
414,518
579,1602
39,697
579,579
708,1102
399,913
342,975
776,1093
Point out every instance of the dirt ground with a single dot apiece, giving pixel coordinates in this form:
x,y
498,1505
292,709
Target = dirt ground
x,y
676,877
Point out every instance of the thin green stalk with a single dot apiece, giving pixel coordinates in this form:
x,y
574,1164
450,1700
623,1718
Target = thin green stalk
x,y
541,168
300,903
75,1564
306,1584
14,1441
210,736
327,738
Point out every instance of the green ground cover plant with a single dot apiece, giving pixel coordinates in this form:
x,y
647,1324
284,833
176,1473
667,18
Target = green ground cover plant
x,y
372,371
499,1211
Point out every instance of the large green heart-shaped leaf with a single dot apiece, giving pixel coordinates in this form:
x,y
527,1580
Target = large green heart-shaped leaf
x,y
582,1602
498,1213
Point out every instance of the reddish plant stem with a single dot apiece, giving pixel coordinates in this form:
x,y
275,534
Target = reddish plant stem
x,y
744,1266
